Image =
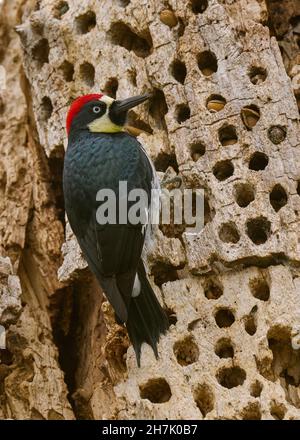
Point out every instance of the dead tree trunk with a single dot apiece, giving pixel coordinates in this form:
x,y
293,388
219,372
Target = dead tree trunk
x,y
223,118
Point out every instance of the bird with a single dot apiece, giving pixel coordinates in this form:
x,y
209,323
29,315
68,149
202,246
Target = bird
x,y
100,154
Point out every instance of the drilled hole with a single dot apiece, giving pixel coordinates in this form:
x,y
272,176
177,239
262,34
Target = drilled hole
x,y
278,197
258,161
204,398
61,9
277,410
172,318
86,22
164,273
2,106
134,122
122,35
186,351
199,6
250,115
286,362
197,150
231,377
111,87
250,325
224,318
207,63
215,103
260,288
213,288
209,211
258,230
46,108
244,194
40,52
229,233
252,411
156,390
6,357
87,73
181,28
178,70
256,389
132,77
224,169
277,134
158,108
67,69
298,188
224,348
257,75
183,113
163,161
227,135
251,322
124,3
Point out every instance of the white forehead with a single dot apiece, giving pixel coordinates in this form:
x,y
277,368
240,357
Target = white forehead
x,y
107,100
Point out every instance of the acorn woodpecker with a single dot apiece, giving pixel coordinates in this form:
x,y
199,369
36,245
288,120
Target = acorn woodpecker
x,y
100,155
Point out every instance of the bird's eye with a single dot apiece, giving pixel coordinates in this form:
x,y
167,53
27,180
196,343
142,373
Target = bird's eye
x,y
96,109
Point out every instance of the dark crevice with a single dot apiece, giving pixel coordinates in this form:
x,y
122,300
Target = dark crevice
x,y
61,9
178,69
111,87
158,108
67,70
164,273
87,73
164,160
258,230
123,35
86,22
40,52
56,165
156,390
183,113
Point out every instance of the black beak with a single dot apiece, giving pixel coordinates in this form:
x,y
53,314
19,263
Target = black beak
x,y
118,110
123,106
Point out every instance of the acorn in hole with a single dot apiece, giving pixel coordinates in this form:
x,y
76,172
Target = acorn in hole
x,y
168,17
227,135
250,116
134,131
216,103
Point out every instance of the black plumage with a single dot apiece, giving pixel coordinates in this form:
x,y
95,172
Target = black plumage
x,y
96,161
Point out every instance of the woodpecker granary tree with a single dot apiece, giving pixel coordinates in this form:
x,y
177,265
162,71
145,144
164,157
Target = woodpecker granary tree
x,y
223,117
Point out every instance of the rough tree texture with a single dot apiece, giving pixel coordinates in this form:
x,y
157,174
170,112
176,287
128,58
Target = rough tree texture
x,y
233,290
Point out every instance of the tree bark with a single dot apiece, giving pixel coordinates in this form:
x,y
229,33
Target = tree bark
x,y
225,79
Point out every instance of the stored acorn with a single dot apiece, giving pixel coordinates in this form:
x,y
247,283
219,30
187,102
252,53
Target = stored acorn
x,y
226,142
134,131
168,17
277,134
216,105
207,71
250,116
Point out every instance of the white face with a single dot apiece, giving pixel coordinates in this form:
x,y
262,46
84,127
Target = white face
x,y
104,124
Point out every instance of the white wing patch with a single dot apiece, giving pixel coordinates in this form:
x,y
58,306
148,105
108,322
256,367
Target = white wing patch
x,y
136,287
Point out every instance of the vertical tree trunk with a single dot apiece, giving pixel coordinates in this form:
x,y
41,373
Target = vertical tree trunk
x,y
223,118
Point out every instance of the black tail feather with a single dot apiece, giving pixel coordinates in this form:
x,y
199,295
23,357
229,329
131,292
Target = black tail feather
x,y
146,318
